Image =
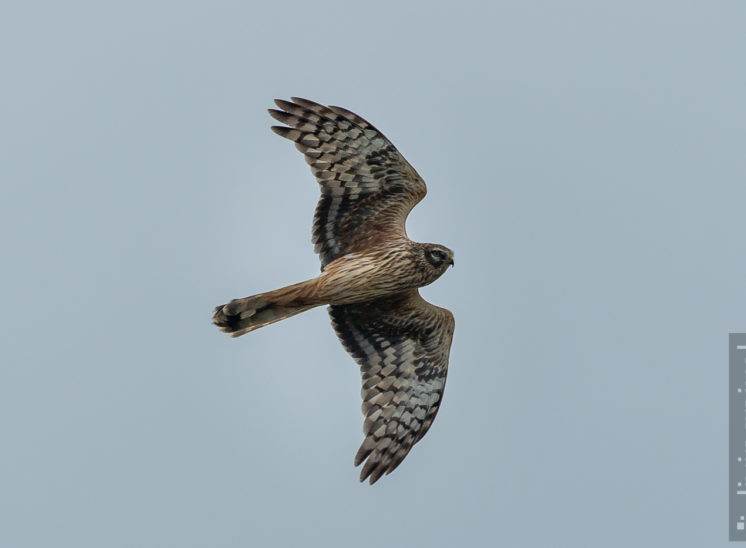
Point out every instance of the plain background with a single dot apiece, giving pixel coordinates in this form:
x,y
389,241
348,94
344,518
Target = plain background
x,y
585,160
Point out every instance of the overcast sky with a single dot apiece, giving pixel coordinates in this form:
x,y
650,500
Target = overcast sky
x,y
585,160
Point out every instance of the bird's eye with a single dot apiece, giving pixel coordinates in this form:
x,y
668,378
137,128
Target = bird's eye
x,y
437,254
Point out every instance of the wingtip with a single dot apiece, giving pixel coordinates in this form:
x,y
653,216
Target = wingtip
x,y
371,478
305,102
287,132
279,115
284,104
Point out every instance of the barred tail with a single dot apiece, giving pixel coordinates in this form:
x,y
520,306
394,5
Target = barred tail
x,y
243,315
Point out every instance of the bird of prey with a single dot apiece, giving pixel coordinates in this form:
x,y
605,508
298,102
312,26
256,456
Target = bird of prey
x,y
370,275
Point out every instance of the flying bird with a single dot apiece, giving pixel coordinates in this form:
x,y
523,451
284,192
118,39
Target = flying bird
x,y
370,275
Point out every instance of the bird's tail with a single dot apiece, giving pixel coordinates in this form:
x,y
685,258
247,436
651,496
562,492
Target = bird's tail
x,y
243,315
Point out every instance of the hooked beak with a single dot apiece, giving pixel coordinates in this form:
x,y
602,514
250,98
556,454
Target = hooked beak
x,y
450,259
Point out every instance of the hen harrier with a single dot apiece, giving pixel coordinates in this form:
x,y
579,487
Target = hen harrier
x,y
370,272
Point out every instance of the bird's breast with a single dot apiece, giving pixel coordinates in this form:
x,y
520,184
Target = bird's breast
x,y
357,277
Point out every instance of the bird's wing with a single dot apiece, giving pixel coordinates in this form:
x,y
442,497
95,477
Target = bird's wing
x,y
401,344
367,187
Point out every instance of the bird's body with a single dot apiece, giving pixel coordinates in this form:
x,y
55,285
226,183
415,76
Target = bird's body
x,y
370,275
381,271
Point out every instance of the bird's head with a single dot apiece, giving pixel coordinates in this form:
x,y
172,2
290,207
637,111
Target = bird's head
x,y
437,259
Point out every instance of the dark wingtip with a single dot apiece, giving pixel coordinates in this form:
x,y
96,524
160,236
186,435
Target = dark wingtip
x,y
283,104
287,132
305,102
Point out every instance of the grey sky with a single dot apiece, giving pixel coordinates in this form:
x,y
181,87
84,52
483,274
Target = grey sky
x,y
585,160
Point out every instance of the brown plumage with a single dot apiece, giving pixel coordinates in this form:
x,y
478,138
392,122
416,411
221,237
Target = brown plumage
x,y
370,273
